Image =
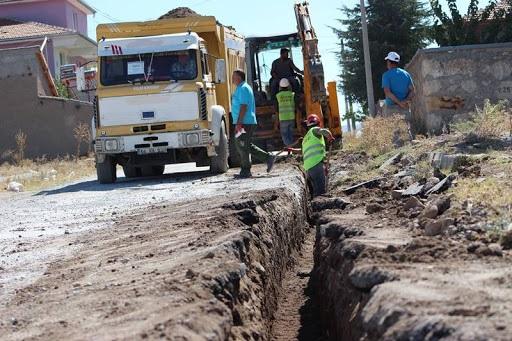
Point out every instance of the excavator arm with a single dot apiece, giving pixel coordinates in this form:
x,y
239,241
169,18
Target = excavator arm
x,y
316,98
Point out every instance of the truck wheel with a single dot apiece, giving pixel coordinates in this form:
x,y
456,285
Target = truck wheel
x,y
219,164
130,171
106,170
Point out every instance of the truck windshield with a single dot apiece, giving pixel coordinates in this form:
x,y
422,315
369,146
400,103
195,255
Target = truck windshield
x,y
148,67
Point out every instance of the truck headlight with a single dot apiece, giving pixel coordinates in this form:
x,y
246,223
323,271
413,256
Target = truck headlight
x,y
192,139
111,145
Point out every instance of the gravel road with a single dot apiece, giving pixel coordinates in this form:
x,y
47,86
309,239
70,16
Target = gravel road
x,y
38,228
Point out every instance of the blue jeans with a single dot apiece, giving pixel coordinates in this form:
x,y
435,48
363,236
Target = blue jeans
x,y
316,176
287,131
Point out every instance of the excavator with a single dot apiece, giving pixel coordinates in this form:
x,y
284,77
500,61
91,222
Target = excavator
x,y
314,97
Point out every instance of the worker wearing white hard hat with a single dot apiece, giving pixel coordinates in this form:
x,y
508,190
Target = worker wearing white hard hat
x,y
286,109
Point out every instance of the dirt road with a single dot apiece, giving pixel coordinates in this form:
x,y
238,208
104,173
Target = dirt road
x,y
153,257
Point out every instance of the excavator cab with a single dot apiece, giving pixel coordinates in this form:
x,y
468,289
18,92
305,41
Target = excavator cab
x,y
260,53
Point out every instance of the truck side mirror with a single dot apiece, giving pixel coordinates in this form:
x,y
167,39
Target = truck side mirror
x,y
220,71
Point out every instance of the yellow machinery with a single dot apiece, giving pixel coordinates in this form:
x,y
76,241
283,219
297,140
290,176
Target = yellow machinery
x,y
314,97
164,95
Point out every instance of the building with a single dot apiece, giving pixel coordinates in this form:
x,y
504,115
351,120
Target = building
x,y
60,24
452,81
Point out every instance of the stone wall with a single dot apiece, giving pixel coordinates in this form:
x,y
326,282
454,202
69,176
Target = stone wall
x,y
452,81
48,122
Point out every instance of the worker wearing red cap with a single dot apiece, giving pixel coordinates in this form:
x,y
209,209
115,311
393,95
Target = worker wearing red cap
x,y
314,153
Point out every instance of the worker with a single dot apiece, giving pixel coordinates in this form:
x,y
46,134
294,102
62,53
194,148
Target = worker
x,y
398,87
243,114
314,154
283,67
184,67
286,109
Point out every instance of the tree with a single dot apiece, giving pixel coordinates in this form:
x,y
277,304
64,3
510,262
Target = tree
x,y
393,25
492,24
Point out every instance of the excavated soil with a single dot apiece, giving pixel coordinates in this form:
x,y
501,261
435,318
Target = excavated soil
x,y
203,270
378,275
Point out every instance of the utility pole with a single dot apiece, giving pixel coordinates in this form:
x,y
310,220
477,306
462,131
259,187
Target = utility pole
x,y
344,74
367,62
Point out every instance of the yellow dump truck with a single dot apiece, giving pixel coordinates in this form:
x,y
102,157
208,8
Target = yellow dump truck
x,y
164,94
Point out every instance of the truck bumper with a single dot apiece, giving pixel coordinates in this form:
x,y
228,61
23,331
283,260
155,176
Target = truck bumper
x,y
155,143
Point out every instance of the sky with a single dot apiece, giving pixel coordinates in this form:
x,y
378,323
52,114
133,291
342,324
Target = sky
x,y
260,17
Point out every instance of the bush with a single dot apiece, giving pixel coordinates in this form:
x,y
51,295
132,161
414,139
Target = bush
x,y
491,122
379,135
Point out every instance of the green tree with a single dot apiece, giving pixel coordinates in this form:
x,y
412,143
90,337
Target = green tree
x,y
491,24
393,25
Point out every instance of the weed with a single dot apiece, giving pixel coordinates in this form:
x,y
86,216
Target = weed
x,y
380,135
82,134
21,145
491,122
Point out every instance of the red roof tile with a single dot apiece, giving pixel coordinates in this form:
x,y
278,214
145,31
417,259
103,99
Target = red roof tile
x,y
12,30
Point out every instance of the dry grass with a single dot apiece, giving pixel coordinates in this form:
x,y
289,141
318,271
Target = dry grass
x,y
82,134
380,135
493,121
42,173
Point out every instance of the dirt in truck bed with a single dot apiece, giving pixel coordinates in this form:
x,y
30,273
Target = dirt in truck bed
x,y
180,12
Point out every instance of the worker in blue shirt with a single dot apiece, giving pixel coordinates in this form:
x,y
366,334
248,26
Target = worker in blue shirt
x,y
398,87
243,114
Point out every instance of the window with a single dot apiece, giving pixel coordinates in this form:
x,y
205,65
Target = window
x,y
148,67
75,21
204,64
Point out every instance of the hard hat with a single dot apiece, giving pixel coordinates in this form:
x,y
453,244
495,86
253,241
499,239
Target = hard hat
x,y
284,83
393,57
313,120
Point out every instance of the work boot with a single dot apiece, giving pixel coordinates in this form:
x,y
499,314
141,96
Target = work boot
x,y
270,163
243,175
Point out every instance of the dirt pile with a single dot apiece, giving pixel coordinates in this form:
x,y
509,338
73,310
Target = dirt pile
x,y
208,269
416,253
179,12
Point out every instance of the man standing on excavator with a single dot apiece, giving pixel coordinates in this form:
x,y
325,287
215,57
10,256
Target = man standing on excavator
x,y
283,67
314,154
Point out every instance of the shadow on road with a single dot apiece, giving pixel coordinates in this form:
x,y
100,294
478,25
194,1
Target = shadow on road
x,y
125,183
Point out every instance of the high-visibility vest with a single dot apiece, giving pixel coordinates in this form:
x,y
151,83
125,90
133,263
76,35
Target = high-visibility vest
x,y
286,101
313,150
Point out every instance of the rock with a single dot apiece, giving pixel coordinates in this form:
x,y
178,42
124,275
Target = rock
x,y
473,246
374,208
431,182
490,250
430,211
496,250
443,185
322,203
433,228
190,274
471,235
442,204
392,161
259,268
366,277
248,217
506,240
414,189
14,186
396,194
412,203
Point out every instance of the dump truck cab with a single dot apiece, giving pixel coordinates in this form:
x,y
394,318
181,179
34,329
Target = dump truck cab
x,y
163,96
